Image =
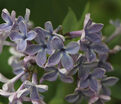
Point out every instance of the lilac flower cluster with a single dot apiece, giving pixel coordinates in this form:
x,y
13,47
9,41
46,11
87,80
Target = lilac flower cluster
x,y
36,47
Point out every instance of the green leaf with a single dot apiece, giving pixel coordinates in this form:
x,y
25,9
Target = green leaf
x,y
116,92
69,23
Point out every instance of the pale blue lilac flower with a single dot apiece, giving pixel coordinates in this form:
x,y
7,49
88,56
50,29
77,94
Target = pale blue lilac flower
x,y
91,31
42,48
103,62
53,73
99,99
51,32
91,79
16,97
9,19
78,95
106,82
9,84
63,53
15,56
34,90
22,37
90,48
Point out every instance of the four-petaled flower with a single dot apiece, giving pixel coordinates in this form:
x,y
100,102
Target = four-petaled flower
x,y
22,37
62,53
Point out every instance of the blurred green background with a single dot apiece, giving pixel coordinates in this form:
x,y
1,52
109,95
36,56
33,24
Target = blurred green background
x,y
69,13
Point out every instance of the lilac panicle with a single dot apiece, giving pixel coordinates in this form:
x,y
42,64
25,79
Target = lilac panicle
x,y
45,47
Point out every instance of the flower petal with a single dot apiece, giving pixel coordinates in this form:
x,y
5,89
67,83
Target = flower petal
x,y
57,43
110,81
3,78
66,79
72,48
33,49
4,93
91,56
95,28
23,27
94,37
6,16
54,59
93,84
100,48
27,15
42,88
98,73
87,21
84,83
31,35
21,45
51,76
14,36
48,26
41,58
67,61
23,92
71,98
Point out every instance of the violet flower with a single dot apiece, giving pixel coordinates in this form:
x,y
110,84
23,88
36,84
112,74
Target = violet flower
x,y
90,49
99,99
53,73
42,48
91,79
107,82
78,95
22,37
62,53
34,90
9,19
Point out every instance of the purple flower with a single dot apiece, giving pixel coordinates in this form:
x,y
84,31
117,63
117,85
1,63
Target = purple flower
x,y
34,90
99,99
107,82
90,80
22,37
51,32
53,73
103,63
9,19
63,53
78,95
90,49
91,31
9,83
41,49
16,97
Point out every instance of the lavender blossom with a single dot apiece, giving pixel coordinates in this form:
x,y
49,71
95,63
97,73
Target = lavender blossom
x,y
41,49
22,37
63,53
9,19
90,49
53,73
90,79
34,92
